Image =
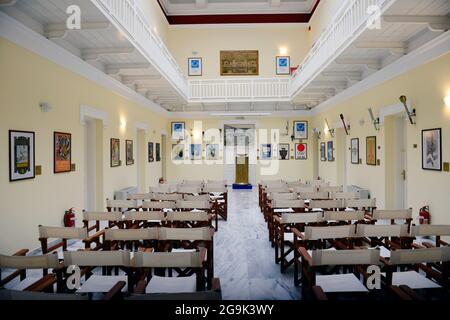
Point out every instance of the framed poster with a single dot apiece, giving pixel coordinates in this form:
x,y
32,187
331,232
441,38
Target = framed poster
x,y
283,151
115,153
355,150
283,65
178,131
21,155
301,151
129,152
371,151
300,129
212,152
158,152
196,152
432,149
239,63
330,151
178,152
150,152
195,67
62,152
323,151
266,152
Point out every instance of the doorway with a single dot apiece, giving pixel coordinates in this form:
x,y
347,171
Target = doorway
x,y
400,172
93,134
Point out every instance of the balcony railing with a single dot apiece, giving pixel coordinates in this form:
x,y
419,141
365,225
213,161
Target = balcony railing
x,y
351,19
129,18
239,89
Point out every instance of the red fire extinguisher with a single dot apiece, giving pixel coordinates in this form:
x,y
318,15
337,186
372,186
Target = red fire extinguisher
x,y
424,215
69,218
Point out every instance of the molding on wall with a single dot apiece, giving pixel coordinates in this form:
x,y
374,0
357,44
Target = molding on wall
x,y
395,109
428,52
141,126
25,37
87,113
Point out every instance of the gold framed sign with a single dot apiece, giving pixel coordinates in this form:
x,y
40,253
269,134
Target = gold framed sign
x,y
239,63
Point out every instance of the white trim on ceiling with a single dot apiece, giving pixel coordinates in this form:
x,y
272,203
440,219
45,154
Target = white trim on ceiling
x,y
25,37
428,52
240,26
235,114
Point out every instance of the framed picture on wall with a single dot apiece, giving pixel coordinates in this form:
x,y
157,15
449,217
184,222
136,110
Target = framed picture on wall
x,y
283,151
432,149
300,129
62,152
195,67
323,151
158,152
178,152
115,153
266,152
301,151
129,152
21,155
371,151
239,63
330,151
150,152
178,129
355,150
196,152
212,152
283,65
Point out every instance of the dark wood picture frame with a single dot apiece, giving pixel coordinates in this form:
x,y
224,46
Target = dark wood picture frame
x,y
374,150
58,165
129,156
438,130
351,151
151,157
158,152
114,162
237,54
32,161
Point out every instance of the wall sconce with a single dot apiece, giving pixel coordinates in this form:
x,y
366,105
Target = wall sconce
x,y
123,124
447,101
375,121
411,114
317,133
330,130
346,127
283,51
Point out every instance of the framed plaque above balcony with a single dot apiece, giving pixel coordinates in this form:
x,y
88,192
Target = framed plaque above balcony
x,y
239,63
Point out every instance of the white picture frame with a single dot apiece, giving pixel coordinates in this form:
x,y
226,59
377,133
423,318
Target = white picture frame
x,y
283,65
195,67
300,129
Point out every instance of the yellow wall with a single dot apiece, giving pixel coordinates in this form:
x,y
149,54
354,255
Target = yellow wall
x,y
324,14
156,17
208,42
426,86
289,170
26,80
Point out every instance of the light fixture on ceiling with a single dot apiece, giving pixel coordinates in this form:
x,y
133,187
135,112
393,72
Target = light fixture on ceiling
x,y
251,114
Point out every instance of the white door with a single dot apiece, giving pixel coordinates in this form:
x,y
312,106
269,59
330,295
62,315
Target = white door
x,y
400,163
90,199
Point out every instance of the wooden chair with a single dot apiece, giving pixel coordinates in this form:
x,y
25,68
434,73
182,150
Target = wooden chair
x,y
326,205
158,206
133,239
314,195
367,205
144,219
343,217
305,189
107,260
21,263
188,265
181,239
403,266
164,188
183,206
61,235
141,196
344,195
284,237
189,189
219,197
189,219
167,197
200,197
114,219
387,236
121,205
332,189
277,208
343,277
426,230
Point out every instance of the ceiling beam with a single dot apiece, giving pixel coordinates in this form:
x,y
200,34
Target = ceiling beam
x,y
275,3
435,23
201,3
93,54
353,75
59,30
394,47
369,63
115,68
129,80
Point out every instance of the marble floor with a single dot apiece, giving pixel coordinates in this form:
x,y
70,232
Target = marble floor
x,y
243,257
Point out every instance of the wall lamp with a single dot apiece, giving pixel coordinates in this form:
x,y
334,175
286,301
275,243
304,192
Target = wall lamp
x,y
411,114
330,130
346,127
375,121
